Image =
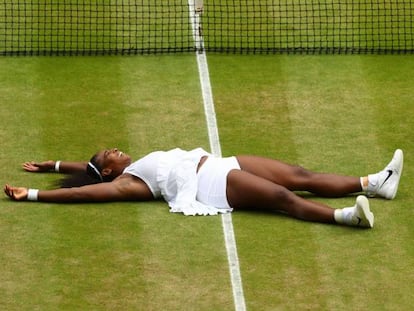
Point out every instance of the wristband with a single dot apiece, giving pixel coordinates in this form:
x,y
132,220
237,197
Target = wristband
x,y
57,166
32,194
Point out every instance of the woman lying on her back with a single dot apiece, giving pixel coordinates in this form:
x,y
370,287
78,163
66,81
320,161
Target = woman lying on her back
x,y
197,183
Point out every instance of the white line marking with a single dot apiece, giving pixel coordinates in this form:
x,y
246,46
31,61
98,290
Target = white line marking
x,y
229,238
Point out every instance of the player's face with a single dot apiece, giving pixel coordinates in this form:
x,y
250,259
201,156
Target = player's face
x,y
114,160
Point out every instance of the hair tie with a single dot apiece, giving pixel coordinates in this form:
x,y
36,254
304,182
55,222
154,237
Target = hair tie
x,y
57,166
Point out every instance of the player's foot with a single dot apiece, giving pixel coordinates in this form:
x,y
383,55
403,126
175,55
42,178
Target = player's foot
x,y
358,215
385,183
362,216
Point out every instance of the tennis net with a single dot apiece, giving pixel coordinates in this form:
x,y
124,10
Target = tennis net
x,y
82,27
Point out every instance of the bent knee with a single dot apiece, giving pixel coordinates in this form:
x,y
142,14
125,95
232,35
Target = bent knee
x,y
301,176
301,172
276,198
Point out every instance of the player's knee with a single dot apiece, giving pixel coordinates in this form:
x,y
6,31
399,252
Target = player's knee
x,y
300,171
282,197
302,176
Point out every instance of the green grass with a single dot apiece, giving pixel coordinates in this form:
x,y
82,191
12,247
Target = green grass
x,y
340,114
111,256
345,114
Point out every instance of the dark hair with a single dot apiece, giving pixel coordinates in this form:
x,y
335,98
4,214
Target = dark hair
x,y
91,176
77,180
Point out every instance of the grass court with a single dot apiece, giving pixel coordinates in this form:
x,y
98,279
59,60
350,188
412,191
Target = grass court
x,y
345,114
334,113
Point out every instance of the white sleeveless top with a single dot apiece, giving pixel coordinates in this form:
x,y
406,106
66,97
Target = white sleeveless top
x,y
173,176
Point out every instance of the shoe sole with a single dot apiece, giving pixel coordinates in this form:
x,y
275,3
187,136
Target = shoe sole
x,y
366,216
398,153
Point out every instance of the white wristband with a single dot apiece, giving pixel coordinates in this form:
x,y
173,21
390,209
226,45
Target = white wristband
x,y
32,194
57,166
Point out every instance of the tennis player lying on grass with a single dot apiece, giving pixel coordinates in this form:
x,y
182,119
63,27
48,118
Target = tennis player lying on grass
x,y
197,183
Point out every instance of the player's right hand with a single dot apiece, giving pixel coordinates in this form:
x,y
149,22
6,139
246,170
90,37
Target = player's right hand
x,y
16,193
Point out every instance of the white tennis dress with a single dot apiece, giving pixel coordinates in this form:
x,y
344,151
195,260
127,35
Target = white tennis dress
x,y
172,175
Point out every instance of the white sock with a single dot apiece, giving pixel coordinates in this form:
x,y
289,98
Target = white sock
x,y
344,215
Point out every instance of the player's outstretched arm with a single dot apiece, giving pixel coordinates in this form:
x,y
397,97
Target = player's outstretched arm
x,y
124,188
94,193
65,167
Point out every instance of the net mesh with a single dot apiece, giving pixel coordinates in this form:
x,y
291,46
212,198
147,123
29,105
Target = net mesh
x,y
93,27
73,27
310,26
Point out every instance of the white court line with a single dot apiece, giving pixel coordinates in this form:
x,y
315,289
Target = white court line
x,y
227,223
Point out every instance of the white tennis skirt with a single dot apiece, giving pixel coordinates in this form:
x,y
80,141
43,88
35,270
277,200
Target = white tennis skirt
x,y
212,181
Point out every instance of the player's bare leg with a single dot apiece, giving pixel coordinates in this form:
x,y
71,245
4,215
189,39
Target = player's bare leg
x,y
296,178
248,191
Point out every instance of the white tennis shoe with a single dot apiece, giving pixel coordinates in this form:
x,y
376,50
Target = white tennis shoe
x,y
385,183
362,215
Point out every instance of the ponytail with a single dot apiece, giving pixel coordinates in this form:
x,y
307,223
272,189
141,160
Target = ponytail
x,y
78,180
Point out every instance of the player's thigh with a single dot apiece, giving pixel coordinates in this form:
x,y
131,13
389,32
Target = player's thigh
x,y
279,172
246,190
